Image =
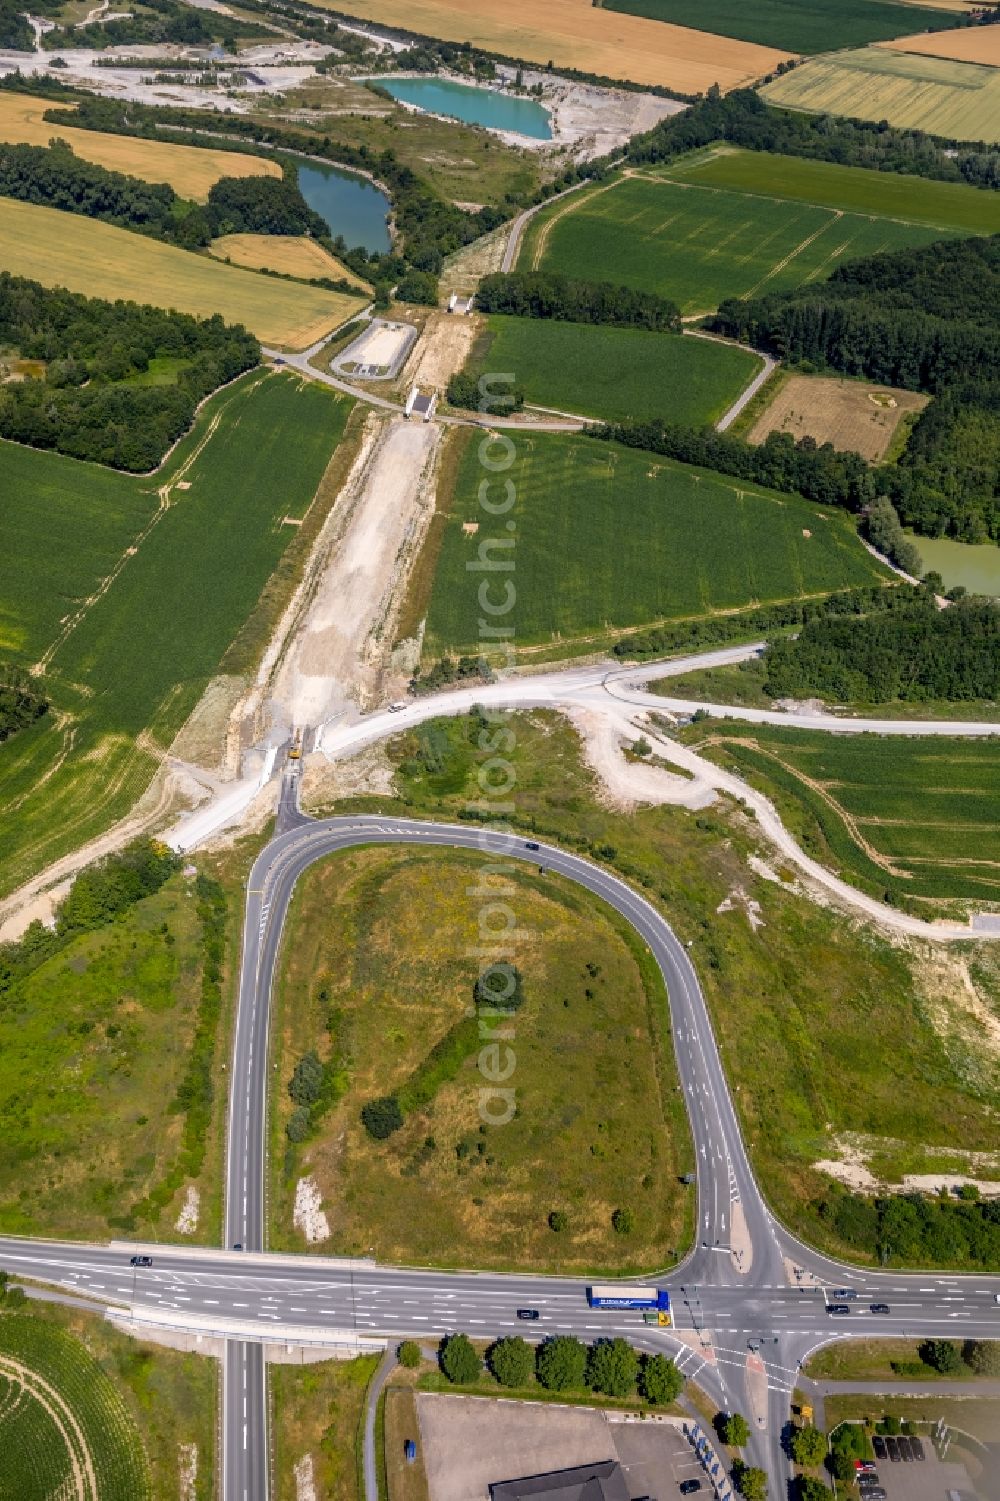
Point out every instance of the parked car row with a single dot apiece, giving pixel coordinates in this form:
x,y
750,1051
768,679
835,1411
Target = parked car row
x,y
896,1447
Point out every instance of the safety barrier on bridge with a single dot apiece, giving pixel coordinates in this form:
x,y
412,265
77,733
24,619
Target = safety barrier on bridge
x,y
710,1461
152,1321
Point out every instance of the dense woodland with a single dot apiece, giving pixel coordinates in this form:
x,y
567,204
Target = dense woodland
x,y
85,405
20,702
927,320
915,652
913,1229
549,294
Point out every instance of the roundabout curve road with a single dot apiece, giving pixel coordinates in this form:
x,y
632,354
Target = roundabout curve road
x,y
250,1297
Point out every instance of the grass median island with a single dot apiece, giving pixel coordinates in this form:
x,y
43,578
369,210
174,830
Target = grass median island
x,y
376,975
100,260
319,1410
145,1415
913,820
609,538
806,1007
616,373
699,245
131,590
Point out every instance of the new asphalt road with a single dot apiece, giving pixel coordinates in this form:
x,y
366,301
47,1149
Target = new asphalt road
x,y
774,1298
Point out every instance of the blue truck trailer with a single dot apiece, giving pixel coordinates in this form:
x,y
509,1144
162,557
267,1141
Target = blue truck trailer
x,y
621,1295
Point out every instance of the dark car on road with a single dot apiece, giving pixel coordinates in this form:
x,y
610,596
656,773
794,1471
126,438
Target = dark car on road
x,y
688,1487
141,1261
839,1294
527,1313
840,1308
875,1493
868,1482
530,844
880,1308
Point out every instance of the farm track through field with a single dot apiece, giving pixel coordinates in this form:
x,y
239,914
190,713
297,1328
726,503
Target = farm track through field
x,y
63,1420
164,493
776,270
543,235
821,791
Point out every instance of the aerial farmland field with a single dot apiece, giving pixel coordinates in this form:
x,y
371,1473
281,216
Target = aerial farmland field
x,y
190,170
957,99
618,373
291,255
918,817
967,44
131,616
579,34
699,244
818,26
852,415
85,255
953,207
610,538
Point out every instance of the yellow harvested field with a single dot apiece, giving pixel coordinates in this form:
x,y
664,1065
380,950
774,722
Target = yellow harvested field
x,y
936,94
967,44
190,170
852,415
84,255
579,34
292,255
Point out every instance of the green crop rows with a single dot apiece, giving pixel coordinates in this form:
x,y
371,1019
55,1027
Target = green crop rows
x,y
928,809
699,245
947,206
793,25
618,373
609,538
126,663
43,1446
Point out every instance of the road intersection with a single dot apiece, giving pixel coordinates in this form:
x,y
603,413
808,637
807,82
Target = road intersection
x,y
774,1298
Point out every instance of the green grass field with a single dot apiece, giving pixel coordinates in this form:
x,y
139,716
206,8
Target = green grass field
x,y
609,538
917,818
949,206
940,95
699,244
794,26
130,638
598,1122
805,1007
319,1410
77,1422
617,373
91,1056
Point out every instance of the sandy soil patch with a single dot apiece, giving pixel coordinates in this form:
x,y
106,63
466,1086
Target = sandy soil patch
x,y
305,1479
851,415
190,170
855,1152
627,784
308,1215
578,34
368,774
344,636
968,44
187,1221
441,351
292,255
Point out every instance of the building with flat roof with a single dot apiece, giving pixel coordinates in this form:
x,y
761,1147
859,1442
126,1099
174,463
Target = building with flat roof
x,y
598,1482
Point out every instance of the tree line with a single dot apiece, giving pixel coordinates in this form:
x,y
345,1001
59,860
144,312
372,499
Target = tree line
x,y
927,320
913,1229
84,406
550,294
100,895
744,119
561,1363
915,652
20,702
430,227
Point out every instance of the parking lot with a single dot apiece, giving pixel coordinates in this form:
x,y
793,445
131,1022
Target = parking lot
x,y
927,1481
655,1459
